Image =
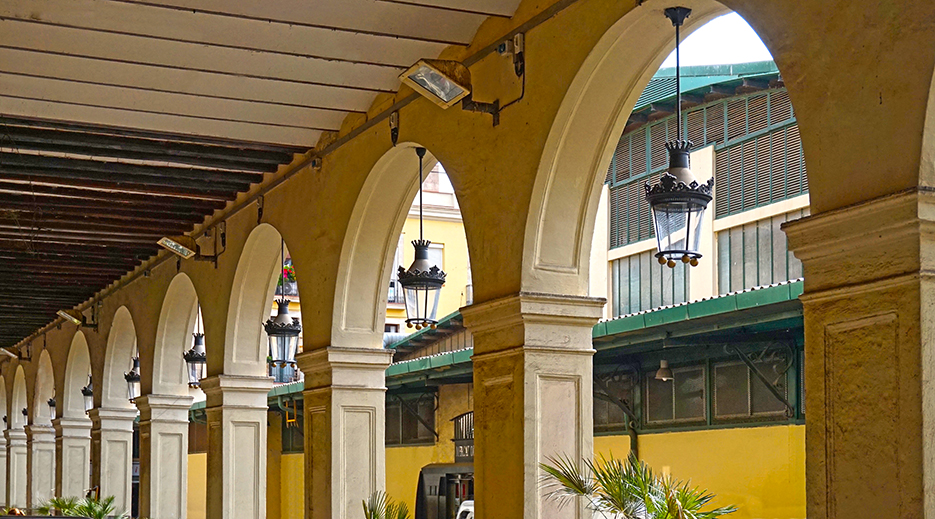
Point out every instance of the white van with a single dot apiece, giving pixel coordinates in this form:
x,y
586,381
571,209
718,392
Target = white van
x,y
466,510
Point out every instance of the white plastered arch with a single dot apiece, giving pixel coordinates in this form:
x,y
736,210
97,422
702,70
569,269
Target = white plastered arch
x,y
77,368
121,345
173,337
582,140
16,418
367,252
251,298
45,389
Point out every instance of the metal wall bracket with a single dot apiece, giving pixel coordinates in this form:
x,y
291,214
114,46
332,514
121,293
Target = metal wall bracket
x,y
408,408
790,411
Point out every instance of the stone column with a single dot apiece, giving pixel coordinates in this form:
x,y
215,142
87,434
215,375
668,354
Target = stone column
x,y
869,305
163,455
236,410
345,424
112,454
532,398
72,456
3,471
16,467
40,464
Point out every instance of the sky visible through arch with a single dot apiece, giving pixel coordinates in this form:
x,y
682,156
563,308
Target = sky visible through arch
x,y
725,40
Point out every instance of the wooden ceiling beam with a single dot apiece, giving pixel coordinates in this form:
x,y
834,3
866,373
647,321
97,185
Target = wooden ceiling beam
x,y
110,169
63,194
159,192
206,188
33,212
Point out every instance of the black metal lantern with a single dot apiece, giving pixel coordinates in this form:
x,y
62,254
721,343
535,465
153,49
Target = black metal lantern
x,y
196,359
51,403
423,282
678,201
133,380
283,330
88,393
25,413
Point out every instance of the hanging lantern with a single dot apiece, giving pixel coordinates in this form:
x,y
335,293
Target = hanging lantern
x,y
678,201
51,403
283,330
664,373
133,380
422,282
196,360
88,393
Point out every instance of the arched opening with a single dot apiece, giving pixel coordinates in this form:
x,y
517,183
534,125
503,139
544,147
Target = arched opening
x,y
17,418
257,281
121,348
589,221
177,319
77,376
45,391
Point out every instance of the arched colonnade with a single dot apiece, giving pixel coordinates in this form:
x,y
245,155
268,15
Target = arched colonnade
x,y
527,189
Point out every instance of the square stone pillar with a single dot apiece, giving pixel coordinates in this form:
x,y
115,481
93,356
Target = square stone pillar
x,y
163,455
72,456
869,304
3,471
112,454
40,464
236,409
16,467
532,398
345,429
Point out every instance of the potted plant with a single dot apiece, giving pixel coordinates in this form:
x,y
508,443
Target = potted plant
x,y
618,489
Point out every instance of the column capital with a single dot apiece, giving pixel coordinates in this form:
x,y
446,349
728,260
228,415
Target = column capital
x,y
236,391
15,435
533,320
874,240
40,432
72,427
164,408
112,418
345,367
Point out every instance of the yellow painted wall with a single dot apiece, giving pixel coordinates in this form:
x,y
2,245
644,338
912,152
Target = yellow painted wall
x,y
292,486
197,483
759,469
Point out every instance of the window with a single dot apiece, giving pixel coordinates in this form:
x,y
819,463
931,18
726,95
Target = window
x,y
390,328
681,399
437,255
608,416
739,393
402,426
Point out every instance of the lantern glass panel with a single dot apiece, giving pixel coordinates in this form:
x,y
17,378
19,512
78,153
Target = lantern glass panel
x,y
282,348
88,402
422,303
678,226
133,389
196,372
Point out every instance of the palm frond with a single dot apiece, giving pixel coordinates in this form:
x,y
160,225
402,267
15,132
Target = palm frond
x,y
381,506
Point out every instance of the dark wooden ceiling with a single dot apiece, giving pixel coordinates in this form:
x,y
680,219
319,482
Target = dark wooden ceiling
x,y
82,205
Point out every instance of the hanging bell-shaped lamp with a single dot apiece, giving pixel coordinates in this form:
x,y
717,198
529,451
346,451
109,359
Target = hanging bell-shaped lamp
x,y
88,393
283,330
195,358
422,282
678,201
133,380
664,373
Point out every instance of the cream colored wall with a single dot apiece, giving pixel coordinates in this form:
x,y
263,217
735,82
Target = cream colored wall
x,y
759,469
197,482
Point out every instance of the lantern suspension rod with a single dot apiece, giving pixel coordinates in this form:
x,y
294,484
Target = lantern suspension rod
x,y
677,15
282,266
421,153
